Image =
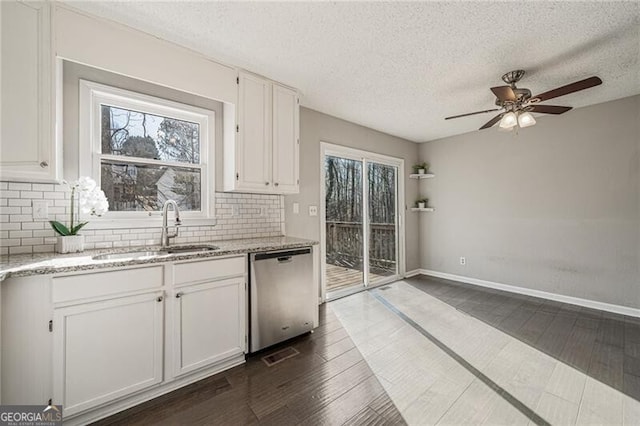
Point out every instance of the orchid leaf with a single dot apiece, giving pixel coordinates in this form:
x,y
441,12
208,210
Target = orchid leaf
x,y
60,228
76,228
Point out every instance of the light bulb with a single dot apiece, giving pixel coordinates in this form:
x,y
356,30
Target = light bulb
x,y
525,119
509,120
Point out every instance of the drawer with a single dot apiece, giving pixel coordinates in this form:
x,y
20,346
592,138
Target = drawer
x,y
96,284
205,270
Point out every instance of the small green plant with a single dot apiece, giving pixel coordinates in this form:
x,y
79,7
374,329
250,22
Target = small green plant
x,y
419,166
422,200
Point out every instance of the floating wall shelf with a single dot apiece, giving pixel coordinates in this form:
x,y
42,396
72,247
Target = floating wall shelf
x,y
421,176
426,209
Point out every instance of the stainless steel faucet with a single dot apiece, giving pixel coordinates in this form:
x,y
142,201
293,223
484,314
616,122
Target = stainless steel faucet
x,y
165,236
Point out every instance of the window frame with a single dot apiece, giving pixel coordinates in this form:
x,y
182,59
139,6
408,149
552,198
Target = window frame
x,y
92,97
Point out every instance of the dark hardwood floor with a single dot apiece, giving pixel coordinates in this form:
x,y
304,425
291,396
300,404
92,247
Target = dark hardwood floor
x,y
604,345
327,383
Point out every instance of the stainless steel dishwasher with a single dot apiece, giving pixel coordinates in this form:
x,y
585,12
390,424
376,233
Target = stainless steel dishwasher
x,y
282,296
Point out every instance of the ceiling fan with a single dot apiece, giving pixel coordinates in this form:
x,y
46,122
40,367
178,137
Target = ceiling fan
x,y
516,104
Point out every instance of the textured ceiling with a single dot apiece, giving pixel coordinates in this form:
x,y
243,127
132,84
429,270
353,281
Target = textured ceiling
x,y
402,67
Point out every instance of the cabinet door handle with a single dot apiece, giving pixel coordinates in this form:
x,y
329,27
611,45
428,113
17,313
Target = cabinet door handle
x,y
266,183
276,184
179,295
44,164
159,299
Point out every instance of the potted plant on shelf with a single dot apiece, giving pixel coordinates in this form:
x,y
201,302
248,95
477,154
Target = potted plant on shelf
x,y
422,203
421,168
90,200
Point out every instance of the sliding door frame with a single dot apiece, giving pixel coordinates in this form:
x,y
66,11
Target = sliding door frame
x,y
330,149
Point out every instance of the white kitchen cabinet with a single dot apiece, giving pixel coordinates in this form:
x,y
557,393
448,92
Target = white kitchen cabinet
x,y
106,350
286,147
264,155
99,342
28,147
253,162
209,323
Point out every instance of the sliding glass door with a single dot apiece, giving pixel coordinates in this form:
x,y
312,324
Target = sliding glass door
x,y
361,220
382,223
344,232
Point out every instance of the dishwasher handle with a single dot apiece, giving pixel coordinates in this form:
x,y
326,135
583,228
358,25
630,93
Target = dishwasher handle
x,y
282,256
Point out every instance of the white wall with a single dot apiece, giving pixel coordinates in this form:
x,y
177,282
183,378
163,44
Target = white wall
x,y
554,208
316,127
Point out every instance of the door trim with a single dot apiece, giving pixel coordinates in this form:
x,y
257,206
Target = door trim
x,y
327,148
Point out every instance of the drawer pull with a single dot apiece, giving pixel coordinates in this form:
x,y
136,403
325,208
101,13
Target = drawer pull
x,y
159,299
44,164
179,295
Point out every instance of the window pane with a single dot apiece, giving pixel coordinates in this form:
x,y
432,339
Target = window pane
x,y
382,221
140,134
139,187
344,232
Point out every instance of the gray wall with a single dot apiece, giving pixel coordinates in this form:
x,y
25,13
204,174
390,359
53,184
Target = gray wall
x,y
316,127
555,207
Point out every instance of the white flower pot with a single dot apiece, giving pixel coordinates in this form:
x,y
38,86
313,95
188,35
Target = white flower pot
x,y
70,244
422,205
421,171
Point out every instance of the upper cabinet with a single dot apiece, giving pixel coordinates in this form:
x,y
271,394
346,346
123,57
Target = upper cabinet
x,y
264,155
253,141
286,140
28,148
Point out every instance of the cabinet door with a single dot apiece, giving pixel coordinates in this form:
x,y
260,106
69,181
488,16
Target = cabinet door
x,y
27,140
106,350
209,323
253,155
286,147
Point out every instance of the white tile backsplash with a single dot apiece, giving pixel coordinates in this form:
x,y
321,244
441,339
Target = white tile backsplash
x,y
258,216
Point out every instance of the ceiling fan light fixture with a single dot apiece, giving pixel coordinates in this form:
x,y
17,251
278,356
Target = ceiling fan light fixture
x,y
509,120
525,119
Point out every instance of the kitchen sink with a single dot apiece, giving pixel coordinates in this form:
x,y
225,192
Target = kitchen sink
x,y
129,255
137,254
189,249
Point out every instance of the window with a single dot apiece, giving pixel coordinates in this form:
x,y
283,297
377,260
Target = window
x,y
145,150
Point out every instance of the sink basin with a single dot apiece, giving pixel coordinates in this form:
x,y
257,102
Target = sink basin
x,y
128,255
190,249
137,254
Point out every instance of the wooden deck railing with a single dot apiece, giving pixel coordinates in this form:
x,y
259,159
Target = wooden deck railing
x,y
344,245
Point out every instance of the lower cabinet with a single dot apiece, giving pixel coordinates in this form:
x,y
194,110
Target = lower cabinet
x,y
106,350
99,342
209,323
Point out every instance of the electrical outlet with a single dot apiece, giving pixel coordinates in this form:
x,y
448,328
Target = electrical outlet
x,y
296,208
263,211
235,210
313,210
463,261
40,209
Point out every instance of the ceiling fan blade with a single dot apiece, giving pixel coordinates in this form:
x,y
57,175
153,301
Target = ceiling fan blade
x,y
472,113
504,93
491,122
569,88
550,109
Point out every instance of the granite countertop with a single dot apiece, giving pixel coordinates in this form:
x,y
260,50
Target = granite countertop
x,y
49,263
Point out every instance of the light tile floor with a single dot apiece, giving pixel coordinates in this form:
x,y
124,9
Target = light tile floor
x,y
430,387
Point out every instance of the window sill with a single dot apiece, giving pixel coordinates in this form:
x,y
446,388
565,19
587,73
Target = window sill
x,y
149,222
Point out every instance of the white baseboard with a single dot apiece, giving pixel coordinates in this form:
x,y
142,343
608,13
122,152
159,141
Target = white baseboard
x,y
617,309
413,273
